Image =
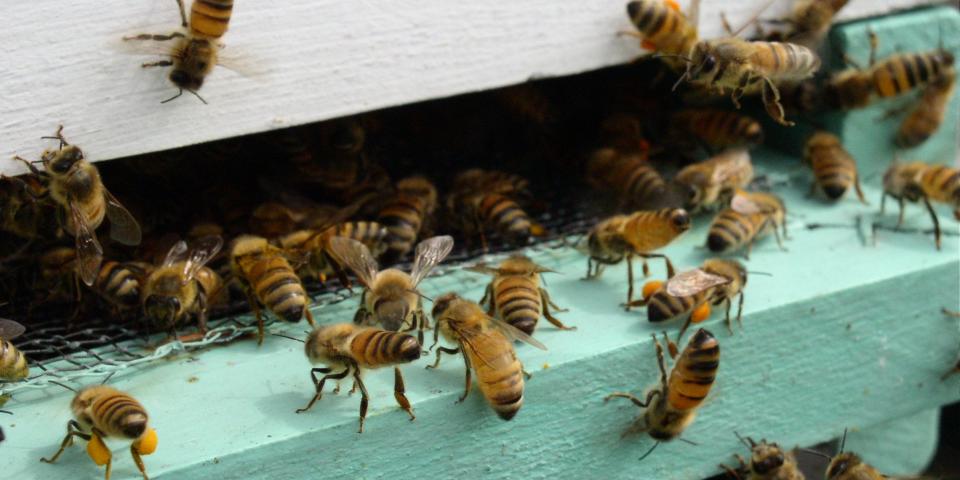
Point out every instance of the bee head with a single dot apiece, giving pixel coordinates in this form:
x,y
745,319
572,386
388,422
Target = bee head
x,y
183,79
392,313
766,458
703,63
840,464
162,309
442,303
60,162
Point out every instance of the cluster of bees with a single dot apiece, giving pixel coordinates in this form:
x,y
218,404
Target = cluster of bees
x,y
313,203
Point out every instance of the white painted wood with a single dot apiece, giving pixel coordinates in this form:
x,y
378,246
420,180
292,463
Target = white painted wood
x,y
324,58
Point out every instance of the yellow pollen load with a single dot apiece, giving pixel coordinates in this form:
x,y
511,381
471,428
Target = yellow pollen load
x,y
97,450
147,443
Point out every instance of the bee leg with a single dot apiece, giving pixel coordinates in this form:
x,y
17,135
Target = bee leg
x,y
731,473
936,221
683,329
448,351
488,295
856,186
526,375
630,33
726,24
779,238
306,311
952,371
153,37
139,461
353,388
469,381
364,397
636,401
874,42
740,311
73,430
671,347
545,302
160,63
589,269
202,316
399,392
319,383
900,218
771,101
183,14
629,282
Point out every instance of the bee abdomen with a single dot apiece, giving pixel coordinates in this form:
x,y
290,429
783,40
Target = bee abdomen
x,y
280,290
120,415
403,218
901,73
375,347
660,25
119,284
834,169
506,217
788,60
502,388
518,301
728,231
663,306
13,364
695,372
942,183
209,18
719,128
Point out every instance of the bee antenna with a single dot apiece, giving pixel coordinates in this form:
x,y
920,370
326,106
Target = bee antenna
x,y
843,441
691,442
180,92
683,77
64,386
751,272
411,290
654,447
743,441
104,382
198,96
670,55
814,452
7,412
287,337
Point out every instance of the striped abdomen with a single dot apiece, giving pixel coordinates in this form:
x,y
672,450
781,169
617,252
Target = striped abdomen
x,y
373,347
719,128
663,306
118,284
209,18
370,234
649,230
924,120
731,230
834,168
637,182
518,301
901,73
277,287
13,364
942,184
499,373
118,415
694,373
784,61
663,27
505,216
403,216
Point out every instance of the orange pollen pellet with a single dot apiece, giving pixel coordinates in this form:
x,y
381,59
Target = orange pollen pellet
x,y
701,313
650,288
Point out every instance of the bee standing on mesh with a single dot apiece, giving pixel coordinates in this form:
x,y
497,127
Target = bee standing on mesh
x,y
487,200
671,407
101,412
767,462
347,349
405,214
625,236
834,170
916,181
751,215
711,182
390,297
316,242
515,294
927,115
13,363
487,347
196,52
636,184
75,186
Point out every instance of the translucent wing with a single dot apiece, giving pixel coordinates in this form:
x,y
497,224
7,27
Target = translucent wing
x,y
177,253
204,249
356,256
730,164
89,251
514,334
692,282
741,203
482,268
123,227
10,329
693,14
430,252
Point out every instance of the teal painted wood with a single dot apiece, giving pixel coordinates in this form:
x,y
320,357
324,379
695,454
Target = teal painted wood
x,y
842,335
900,446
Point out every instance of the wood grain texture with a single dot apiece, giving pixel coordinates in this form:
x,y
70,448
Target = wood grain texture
x,y
320,59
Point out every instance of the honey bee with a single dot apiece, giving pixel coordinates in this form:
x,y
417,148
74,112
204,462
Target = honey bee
x,y
767,462
182,285
516,296
892,76
662,27
22,214
273,219
750,217
693,291
120,283
739,65
638,234
13,364
497,212
476,180
809,22
918,181
405,213
487,347
390,297
196,51
711,182
316,243
717,129
57,274
833,167
269,280
101,412
926,117
635,183
672,407
75,186
348,349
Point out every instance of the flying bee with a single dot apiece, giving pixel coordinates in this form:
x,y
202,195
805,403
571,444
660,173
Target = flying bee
x,y
712,182
516,296
751,216
717,129
740,65
767,462
268,279
918,181
182,285
321,263
348,349
75,186
638,234
101,412
405,214
834,169
663,28
13,364
487,347
925,118
390,297
809,22
196,51
672,407
692,292
635,183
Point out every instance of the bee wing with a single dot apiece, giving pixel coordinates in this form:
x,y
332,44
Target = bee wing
x,y
734,162
123,227
482,268
741,203
693,13
430,252
244,65
177,253
89,251
356,256
10,329
204,249
515,334
693,282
